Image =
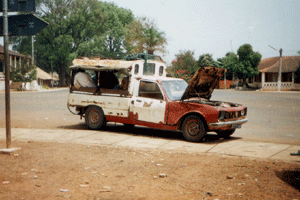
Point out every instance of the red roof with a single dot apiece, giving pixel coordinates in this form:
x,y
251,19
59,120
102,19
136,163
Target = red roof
x,y
289,64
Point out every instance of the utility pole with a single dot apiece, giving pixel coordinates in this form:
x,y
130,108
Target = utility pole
x,y
15,25
32,50
7,71
225,80
52,74
279,71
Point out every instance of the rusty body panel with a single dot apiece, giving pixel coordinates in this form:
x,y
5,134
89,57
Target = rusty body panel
x,y
204,81
111,105
178,110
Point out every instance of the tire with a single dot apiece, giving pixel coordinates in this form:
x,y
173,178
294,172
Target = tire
x,y
94,117
226,133
193,129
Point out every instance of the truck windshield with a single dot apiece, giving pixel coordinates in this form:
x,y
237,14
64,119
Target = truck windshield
x,y
174,88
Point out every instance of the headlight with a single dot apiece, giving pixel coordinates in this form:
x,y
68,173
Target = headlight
x,y
243,112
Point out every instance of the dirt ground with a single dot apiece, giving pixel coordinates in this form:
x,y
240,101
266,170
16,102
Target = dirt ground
x,y
76,171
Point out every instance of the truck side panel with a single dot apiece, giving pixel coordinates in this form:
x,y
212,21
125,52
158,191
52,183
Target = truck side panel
x,y
111,105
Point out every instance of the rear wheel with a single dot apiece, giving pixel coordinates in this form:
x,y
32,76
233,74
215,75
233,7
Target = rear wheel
x,y
193,129
226,133
94,117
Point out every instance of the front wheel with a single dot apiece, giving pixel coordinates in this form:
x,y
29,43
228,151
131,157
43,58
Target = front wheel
x,y
193,129
225,134
94,117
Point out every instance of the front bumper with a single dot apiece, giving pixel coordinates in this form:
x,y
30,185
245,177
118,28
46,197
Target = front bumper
x,y
233,124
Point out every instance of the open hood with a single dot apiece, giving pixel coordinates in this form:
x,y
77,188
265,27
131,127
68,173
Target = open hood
x,y
203,83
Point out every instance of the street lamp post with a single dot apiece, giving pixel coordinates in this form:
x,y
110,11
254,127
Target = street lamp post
x,y
279,71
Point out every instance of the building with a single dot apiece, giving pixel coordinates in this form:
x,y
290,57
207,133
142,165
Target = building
x,y
267,79
45,79
15,60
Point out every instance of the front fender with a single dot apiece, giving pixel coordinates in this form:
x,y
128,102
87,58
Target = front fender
x,y
179,110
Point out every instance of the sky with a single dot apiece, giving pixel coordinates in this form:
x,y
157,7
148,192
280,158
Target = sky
x,y
220,26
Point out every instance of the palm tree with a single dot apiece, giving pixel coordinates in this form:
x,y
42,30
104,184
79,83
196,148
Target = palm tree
x,y
154,40
142,35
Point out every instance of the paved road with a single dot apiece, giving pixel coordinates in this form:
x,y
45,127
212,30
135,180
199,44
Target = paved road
x,y
273,117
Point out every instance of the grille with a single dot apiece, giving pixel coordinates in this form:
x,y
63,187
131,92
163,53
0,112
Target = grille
x,y
235,114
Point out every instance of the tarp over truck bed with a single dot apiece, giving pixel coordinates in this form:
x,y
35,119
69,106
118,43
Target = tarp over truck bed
x,y
102,65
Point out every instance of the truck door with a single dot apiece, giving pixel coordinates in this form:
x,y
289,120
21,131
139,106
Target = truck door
x,y
149,103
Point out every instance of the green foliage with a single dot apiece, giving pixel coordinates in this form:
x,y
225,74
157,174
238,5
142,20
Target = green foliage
x,y
184,66
115,23
25,73
76,28
248,61
143,35
228,62
134,37
244,64
206,60
24,44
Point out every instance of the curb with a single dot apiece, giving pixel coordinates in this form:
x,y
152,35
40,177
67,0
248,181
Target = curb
x,y
103,138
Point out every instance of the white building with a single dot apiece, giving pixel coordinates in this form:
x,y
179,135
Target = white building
x,y
267,79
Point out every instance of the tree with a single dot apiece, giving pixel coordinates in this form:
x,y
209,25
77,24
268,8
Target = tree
x,y
205,60
244,64
76,27
184,66
143,35
154,40
228,62
134,37
25,73
116,21
248,61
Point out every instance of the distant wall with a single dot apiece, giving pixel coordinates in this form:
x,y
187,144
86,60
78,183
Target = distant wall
x,y
229,84
21,86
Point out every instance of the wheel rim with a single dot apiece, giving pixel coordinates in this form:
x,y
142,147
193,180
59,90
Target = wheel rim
x,y
94,117
193,128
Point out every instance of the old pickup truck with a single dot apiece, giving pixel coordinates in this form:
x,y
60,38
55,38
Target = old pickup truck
x,y
153,100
